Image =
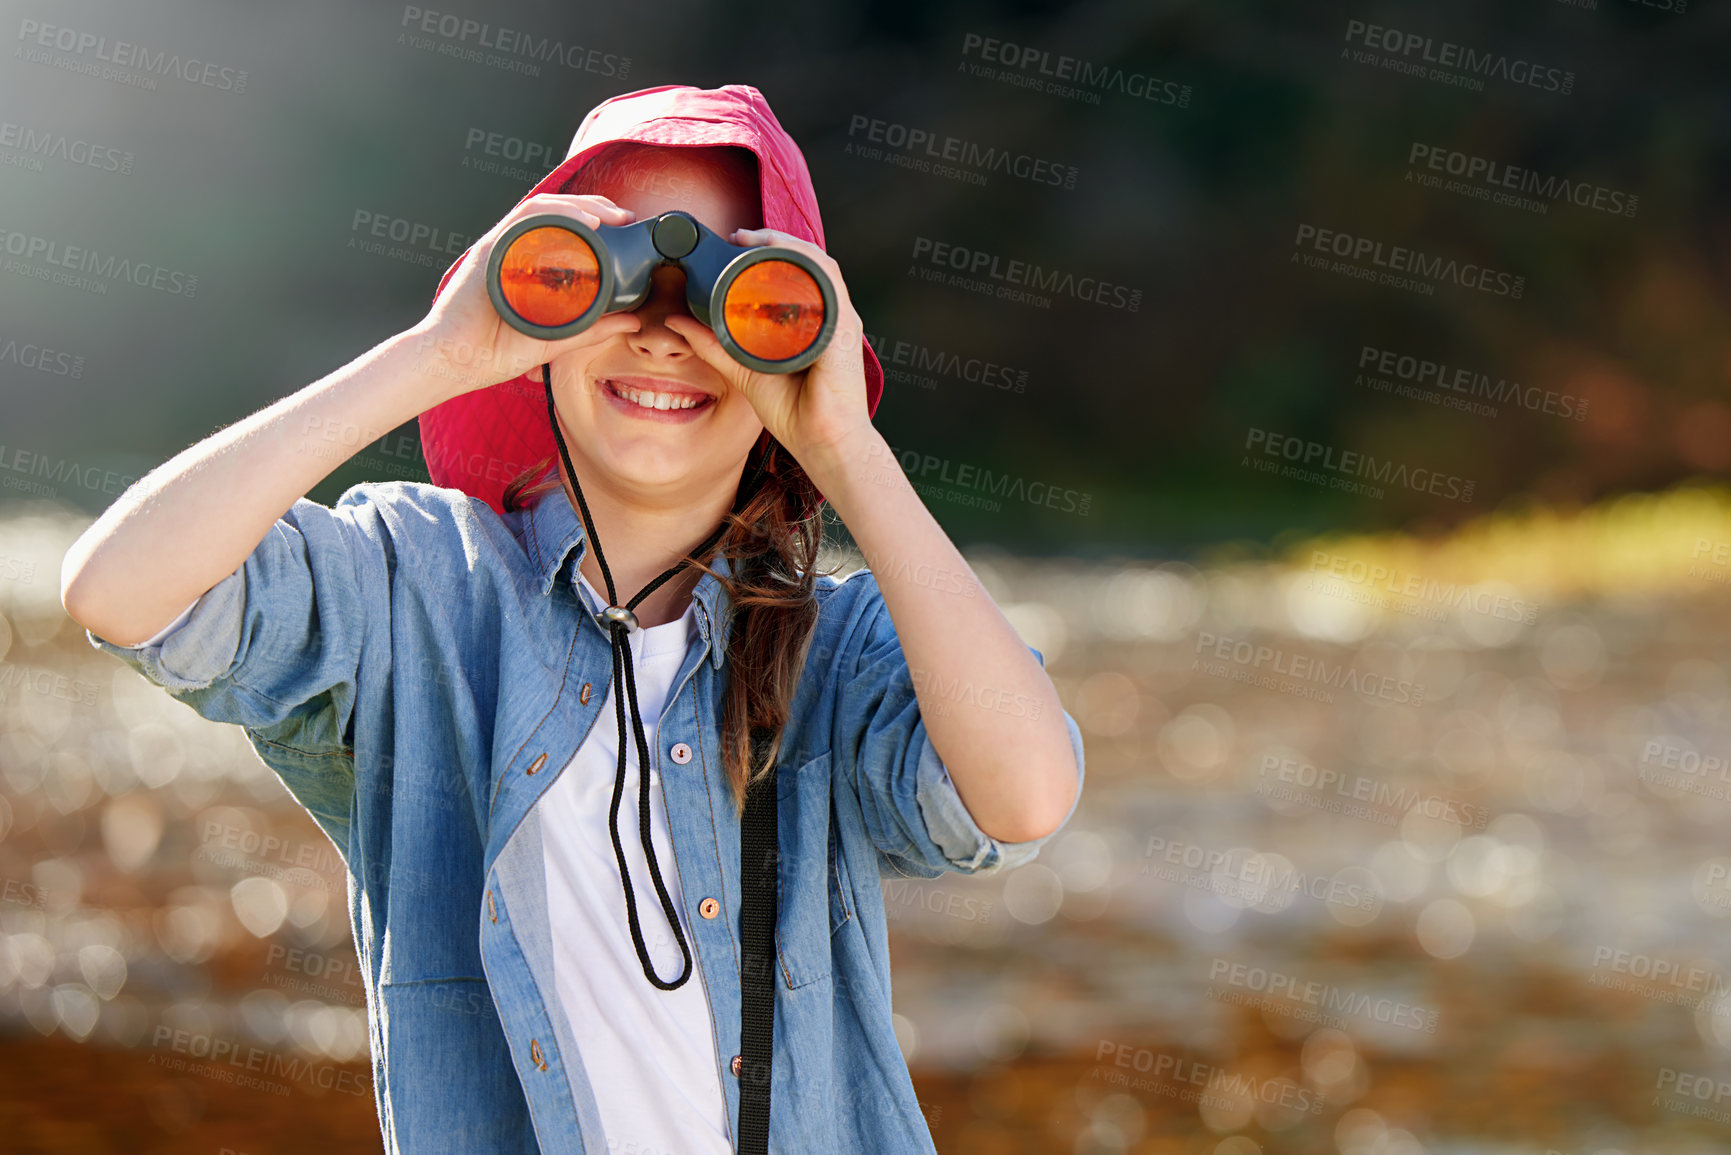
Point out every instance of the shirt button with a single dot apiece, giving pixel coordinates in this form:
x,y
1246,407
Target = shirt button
x,y
491,913
583,698
708,908
535,1054
738,1064
681,753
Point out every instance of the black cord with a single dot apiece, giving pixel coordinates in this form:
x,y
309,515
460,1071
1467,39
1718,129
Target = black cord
x,y
617,629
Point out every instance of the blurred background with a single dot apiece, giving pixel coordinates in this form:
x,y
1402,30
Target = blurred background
x,y
1356,459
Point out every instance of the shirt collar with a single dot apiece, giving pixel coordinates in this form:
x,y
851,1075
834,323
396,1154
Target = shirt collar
x,y
552,532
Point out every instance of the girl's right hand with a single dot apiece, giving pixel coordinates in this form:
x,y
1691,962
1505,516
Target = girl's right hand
x,y
468,346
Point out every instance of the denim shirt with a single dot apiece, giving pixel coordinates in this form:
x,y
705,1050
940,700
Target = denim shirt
x,y
417,669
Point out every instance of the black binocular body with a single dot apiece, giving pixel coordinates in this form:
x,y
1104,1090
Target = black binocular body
x,y
552,276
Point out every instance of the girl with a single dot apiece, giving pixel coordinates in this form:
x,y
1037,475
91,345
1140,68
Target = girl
x,y
430,671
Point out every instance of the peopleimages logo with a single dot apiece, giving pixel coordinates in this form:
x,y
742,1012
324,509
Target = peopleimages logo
x,y
1069,75
82,46
224,1053
26,147
1498,182
1265,665
511,156
106,267
1367,258
1446,61
1672,766
405,231
1353,464
1010,274
1392,588
920,467
27,355
23,463
908,362
1654,971
460,32
964,159
48,683
1433,380
1283,986
1254,878
1220,1088
1357,796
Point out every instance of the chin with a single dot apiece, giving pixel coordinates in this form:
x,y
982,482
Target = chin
x,y
633,466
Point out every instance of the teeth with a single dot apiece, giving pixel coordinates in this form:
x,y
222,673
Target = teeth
x,y
658,400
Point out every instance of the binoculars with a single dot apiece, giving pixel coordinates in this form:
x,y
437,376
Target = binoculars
x,y
552,276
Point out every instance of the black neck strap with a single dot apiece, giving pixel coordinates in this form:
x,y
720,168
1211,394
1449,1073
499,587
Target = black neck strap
x,y
619,621
759,850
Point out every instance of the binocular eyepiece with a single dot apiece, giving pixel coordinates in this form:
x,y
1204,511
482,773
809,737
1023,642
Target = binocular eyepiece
x,y
552,276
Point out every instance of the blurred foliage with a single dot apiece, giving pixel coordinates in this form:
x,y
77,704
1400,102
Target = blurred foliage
x,y
1196,205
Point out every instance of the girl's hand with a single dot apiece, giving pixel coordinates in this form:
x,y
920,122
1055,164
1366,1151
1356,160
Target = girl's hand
x,y
468,346
810,412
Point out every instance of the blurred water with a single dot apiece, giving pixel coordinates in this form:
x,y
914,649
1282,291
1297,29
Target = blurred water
x,y
1346,878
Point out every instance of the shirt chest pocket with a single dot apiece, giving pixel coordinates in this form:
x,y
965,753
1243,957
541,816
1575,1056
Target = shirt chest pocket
x,y
816,898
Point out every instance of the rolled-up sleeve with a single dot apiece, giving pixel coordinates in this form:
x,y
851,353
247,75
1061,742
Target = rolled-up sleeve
x,y
912,810
276,646
180,620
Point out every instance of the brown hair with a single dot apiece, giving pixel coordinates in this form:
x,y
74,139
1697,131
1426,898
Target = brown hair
x,y
772,544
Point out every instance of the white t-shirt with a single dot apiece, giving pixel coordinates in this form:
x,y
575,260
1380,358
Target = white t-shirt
x,y
174,625
649,1053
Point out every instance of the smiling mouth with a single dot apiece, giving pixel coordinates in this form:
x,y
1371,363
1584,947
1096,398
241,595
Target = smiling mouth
x,y
663,402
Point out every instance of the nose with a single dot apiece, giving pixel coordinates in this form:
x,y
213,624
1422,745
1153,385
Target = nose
x,y
666,296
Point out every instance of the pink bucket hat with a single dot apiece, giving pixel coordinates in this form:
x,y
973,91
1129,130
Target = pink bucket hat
x,y
481,440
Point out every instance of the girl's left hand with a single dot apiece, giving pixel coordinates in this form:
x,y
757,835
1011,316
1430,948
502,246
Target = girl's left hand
x,y
811,411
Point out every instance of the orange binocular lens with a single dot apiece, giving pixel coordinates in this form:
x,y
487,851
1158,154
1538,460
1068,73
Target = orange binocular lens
x,y
550,276
774,310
